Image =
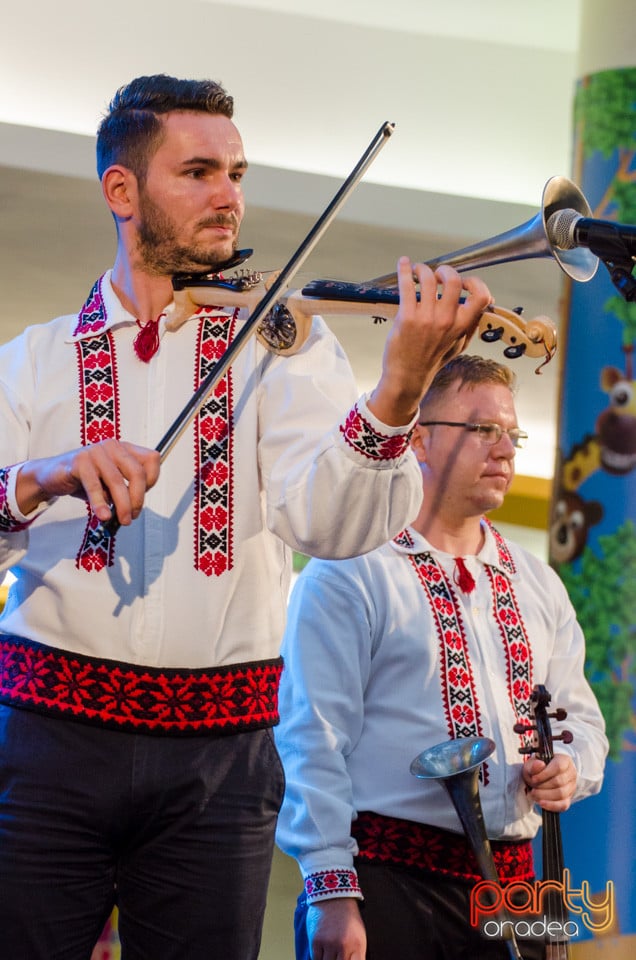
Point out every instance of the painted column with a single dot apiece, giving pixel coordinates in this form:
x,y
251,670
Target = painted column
x,y
593,532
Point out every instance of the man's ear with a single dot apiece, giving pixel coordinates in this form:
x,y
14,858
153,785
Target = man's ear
x,y
419,441
121,191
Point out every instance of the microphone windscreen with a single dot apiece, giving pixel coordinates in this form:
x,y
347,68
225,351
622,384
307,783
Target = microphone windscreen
x,y
559,229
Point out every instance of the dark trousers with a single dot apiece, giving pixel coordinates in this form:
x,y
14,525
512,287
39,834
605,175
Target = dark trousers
x,y
176,831
410,916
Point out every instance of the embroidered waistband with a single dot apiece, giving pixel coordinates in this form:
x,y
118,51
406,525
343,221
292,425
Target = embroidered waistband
x,y
124,696
419,845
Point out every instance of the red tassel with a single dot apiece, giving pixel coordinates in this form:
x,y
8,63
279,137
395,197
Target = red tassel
x,y
463,577
146,342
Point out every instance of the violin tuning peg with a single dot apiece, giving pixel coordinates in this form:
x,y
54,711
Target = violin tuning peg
x,y
491,334
567,736
515,351
559,714
526,750
523,728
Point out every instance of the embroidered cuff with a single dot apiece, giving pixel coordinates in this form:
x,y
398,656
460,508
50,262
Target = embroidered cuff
x,y
11,519
339,882
368,436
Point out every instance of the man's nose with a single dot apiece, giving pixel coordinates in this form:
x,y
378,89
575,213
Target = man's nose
x,y
504,447
227,194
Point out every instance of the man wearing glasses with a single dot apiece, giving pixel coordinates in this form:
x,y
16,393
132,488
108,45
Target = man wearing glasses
x,y
440,634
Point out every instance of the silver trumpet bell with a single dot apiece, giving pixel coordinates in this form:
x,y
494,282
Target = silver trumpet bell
x,y
456,764
528,241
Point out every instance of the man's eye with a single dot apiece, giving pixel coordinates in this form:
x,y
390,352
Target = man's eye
x,y
487,430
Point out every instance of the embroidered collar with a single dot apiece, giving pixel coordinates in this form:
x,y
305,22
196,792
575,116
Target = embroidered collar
x,y
494,553
104,310
101,311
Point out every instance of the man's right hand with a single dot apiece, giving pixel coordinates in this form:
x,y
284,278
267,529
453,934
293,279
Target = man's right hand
x,y
112,472
336,930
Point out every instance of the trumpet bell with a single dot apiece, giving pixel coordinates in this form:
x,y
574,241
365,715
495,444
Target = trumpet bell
x,y
452,757
455,764
528,241
560,193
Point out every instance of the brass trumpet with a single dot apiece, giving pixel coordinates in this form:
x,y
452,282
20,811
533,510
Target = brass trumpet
x,y
285,328
456,764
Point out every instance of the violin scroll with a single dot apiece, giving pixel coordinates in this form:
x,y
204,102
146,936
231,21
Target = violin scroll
x,y
544,737
537,338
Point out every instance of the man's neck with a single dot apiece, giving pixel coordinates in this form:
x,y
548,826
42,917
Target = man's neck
x,y
141,294
459,537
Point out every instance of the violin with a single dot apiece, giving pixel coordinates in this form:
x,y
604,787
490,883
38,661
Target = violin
x,y
552,844
286,327
282,320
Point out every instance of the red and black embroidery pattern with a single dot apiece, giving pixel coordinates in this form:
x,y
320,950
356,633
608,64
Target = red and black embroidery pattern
x,y
505,557
92,317
8,522
124,696
359,434
328,883
99,411
459,696
517,650
213,494
391,840
404,539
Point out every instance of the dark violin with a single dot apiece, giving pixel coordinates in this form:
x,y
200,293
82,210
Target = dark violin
x,y
552,844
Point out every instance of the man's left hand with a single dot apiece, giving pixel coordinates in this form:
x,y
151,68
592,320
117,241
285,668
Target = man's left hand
x,y
551,785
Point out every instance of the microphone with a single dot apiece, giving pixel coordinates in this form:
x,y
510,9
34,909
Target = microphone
x,y
567,229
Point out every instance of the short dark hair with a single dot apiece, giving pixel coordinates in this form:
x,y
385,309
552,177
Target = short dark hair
x,y
467,371
131,129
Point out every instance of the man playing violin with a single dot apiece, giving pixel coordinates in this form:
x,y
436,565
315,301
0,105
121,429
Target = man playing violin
x,y
437,635
141,662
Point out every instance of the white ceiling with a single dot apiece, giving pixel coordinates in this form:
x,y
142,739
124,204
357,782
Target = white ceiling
x,y
481,94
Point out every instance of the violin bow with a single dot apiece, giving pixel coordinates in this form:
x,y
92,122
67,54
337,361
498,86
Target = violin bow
x,y
274,292
190,410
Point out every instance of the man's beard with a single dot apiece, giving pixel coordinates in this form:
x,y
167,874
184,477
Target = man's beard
x,y
161,252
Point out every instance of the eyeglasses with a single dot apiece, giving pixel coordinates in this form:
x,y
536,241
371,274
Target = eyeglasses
x,y
489,433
